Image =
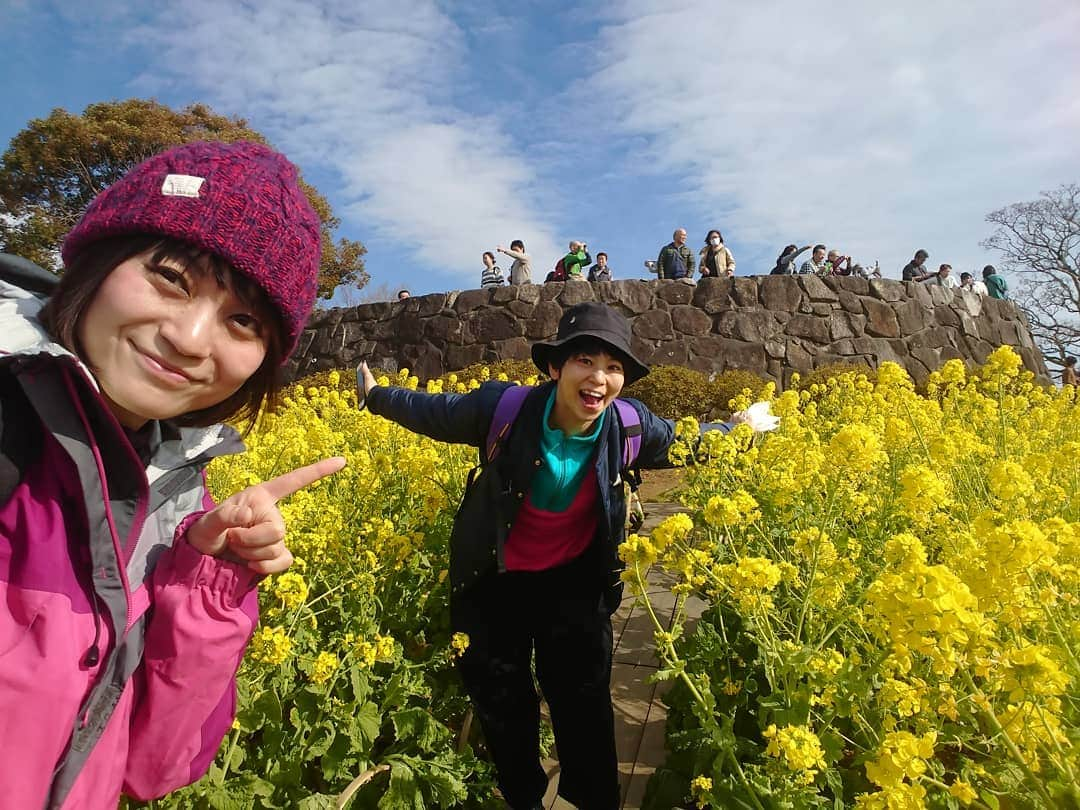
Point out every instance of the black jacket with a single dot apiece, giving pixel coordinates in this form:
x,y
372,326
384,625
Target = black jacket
x,y
496,491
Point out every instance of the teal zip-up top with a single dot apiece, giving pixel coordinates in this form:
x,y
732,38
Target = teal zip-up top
x,y
565,461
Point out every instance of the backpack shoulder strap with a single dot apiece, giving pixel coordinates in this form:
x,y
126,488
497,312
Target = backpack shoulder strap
x,y
506,411
630,422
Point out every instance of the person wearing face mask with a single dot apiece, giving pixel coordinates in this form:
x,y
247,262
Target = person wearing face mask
x,y
716,259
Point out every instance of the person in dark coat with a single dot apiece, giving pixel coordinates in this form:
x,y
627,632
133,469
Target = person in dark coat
x,y
534,562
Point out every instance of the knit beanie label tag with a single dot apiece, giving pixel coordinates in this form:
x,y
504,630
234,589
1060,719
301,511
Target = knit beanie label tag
x,y
182,185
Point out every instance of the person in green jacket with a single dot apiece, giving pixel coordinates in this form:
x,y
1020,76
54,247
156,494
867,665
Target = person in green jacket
x,y
577,258
995,284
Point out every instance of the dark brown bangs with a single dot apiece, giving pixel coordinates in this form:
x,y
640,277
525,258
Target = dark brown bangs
x,y
196,260
79,284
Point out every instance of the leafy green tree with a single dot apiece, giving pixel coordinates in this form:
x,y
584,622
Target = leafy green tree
x,y
54,167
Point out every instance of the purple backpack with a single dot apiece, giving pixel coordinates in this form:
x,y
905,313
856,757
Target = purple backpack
x,y
513,398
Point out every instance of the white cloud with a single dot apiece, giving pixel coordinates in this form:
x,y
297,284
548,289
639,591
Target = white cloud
x,y
878,128
359,89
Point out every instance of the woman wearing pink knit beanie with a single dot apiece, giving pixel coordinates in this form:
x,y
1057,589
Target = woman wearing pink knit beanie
x,y
127,597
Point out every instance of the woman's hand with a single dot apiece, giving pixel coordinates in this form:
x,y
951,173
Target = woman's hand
x,y
249,527
364,376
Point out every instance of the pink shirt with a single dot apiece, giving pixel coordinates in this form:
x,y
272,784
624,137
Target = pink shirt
x,y
541,539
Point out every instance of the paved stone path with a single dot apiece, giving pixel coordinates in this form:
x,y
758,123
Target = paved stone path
x,y
639,713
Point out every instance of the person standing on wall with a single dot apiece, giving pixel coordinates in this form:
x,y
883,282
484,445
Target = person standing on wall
x,y
716,259
676,261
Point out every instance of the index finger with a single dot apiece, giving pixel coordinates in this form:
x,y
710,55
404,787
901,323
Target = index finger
x,y
285,485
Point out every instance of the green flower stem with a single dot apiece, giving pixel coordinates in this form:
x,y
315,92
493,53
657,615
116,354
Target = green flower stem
x,y
1013,749
672,658
233,738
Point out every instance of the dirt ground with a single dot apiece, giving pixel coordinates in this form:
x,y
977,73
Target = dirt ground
x,y
657,484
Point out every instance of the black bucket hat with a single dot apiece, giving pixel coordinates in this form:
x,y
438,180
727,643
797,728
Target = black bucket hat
x,y
596,321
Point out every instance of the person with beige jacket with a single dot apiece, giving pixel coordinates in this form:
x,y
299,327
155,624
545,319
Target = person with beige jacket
x,y
716,259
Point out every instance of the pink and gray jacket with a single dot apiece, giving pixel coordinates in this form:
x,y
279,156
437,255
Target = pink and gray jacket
x,y
119,642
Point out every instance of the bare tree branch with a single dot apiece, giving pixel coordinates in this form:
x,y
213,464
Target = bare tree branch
x,y
1039,242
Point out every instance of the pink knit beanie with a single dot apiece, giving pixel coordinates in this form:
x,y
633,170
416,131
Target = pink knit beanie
x,y
240,201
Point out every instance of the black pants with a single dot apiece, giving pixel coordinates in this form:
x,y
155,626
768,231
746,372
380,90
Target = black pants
x,y
559,613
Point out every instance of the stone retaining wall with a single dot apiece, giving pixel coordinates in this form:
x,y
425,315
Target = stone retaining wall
x,y
771,325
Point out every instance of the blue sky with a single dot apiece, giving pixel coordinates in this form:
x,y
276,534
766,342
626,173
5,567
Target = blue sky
x,y
438,130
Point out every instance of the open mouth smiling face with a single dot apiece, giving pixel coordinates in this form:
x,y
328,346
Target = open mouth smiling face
x,y
587,383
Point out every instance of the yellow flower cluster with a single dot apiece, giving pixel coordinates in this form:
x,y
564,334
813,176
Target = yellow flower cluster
x,y
291,589
902,757
798,747
459,642
699,789
270,645
326,664
891,567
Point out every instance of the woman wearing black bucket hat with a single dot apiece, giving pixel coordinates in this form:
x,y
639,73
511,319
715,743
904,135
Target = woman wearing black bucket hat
x,y
534,564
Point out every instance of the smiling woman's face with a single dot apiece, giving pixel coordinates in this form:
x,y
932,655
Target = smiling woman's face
x,y
164,340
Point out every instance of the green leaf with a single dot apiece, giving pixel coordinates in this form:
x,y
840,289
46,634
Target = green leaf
x,y
989,799
361,684
317,801
230,796
403,792
264,711
416,724
363,727
338,760
320,741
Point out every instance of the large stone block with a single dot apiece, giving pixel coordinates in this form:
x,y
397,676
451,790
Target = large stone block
x,y
576,292
753,325
744,291
633,297
850,301
551,290
945,315
813,327
880,317
854,284
521,309
445,329
911,316
920,292
544,321
517,348
326,317
469,300
654,325
940,296
505,294
424,360
1007,332
817,290
427,304
799,358
781,293
459,357
690,320
529,293
747,356
675,292
714,294
846,325
887,289
668,353
930,358
410,328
